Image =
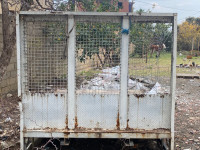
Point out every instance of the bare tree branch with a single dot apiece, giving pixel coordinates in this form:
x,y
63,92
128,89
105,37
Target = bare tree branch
x,y
45,8
8,38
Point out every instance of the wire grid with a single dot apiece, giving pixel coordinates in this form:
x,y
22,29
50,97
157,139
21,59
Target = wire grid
x,y
45,55
150,57
98,55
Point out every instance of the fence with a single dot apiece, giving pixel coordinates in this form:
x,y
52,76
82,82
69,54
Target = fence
x,y
96,75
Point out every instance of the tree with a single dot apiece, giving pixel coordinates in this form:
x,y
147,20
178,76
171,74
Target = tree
x,y
143,35
8,27
8,23
187,35
8,38
99,38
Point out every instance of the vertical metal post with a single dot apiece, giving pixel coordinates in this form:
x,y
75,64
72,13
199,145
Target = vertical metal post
x,y
21,127
18,39
123,104
18,53
173,79
71,73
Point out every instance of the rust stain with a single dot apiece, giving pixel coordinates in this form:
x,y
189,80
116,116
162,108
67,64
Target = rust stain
x,y
62,95
99,135
102,96
66,122
127,126
76,122
143,135
139,95
118,122
162,96
56,95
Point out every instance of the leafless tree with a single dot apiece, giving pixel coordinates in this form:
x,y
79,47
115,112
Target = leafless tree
x,y
8,26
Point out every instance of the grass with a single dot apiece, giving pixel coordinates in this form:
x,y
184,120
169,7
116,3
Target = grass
x,y
160,67
154,67
89,74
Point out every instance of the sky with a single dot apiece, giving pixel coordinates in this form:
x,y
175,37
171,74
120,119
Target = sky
x,y
184,8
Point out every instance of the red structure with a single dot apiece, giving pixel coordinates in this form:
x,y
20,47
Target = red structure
x,y
124,6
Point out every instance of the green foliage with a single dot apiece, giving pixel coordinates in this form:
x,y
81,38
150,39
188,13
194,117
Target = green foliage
x,y
193,20
91,37
55,31
88,5
142,35
189,34
145,34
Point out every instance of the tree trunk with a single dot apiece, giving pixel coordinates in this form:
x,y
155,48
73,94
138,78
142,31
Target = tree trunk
x,y
142,50
146,56
192,45
8,38
102,64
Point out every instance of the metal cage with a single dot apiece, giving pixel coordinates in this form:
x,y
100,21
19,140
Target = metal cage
x,y
97,75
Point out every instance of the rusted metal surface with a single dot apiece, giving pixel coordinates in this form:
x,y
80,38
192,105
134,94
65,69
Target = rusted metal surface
x,y
139,95
81,133
76,122
149,112
45,111
70,112
98,111
118,123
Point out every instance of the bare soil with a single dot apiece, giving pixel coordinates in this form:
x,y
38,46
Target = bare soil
x,y
187,121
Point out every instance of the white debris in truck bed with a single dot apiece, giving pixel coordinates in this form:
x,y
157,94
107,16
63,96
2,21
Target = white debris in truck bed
x,y
109,79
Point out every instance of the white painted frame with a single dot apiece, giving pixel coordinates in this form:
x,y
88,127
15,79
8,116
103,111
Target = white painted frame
x,y
172,18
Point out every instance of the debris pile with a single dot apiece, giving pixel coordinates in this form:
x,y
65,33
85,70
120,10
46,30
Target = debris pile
x,y
109,79
9,122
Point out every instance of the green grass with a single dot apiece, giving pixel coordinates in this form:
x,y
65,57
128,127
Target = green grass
x,y
89,74
159,67
153,68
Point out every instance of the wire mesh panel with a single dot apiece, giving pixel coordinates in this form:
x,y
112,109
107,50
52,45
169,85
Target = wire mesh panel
x,y
103,98
45,49
98,55
150,57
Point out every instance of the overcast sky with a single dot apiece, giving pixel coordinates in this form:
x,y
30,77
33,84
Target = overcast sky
x,y
184,8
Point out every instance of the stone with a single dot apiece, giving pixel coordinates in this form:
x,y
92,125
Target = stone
x,y
9,95
7,120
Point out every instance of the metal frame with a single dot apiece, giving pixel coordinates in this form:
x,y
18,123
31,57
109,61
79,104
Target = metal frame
x,y
70,133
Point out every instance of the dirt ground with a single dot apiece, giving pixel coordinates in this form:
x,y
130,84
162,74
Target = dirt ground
x,y
187,123
187,119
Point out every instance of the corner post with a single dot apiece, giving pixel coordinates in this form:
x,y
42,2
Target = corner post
x,y
173,79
